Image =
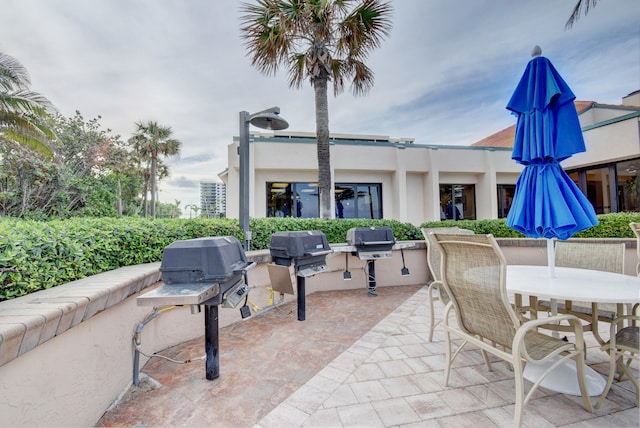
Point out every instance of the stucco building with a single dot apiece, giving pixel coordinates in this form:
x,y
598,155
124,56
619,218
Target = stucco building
x,y
383,177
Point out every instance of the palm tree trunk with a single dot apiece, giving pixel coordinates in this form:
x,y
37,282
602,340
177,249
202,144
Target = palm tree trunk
x,y
119,198
154,173
324,154
145,205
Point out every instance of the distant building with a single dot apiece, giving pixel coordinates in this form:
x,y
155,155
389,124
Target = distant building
x,y
213,199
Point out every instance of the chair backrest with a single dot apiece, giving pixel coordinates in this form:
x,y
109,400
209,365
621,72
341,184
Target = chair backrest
x,y
590,255
434,257
474,275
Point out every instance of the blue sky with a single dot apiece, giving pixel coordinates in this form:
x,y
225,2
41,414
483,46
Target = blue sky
x,y
443,76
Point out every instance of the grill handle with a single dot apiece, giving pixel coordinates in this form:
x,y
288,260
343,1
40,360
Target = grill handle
x,y
247,267
318,253
376,243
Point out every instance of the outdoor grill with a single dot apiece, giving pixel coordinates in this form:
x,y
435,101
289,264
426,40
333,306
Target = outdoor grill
x,y
371,244
204,271
306,252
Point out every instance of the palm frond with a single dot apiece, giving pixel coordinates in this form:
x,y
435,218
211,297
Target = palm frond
x,y
577,11
23,113
316,39
28,140
297,68
365,28
26,101
13,75
363,77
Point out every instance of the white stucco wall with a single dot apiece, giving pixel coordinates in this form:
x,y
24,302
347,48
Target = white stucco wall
x,y
616,141
411,174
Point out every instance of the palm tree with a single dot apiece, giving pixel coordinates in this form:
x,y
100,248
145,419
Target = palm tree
x,y
152,141
577,10
319,41
23,113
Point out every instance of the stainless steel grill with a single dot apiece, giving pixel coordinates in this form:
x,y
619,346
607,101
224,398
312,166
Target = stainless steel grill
x,y
204,271
372,243
306,251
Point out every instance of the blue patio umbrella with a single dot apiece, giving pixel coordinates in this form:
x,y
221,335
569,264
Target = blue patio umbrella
x,y
547,203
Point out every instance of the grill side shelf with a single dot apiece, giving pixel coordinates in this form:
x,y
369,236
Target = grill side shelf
x,y
179,294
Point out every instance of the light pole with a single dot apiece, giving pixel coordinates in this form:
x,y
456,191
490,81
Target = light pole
x,y
265,119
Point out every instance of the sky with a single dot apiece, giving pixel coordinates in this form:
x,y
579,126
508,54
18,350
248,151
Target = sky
x,y
443,76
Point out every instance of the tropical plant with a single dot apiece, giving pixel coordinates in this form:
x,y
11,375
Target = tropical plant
x,y
193,210
24,114
577,11
152,141
318,41
92,173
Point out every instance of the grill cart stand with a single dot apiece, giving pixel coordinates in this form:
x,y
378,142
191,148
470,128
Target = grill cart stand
x,y
203,271
306,251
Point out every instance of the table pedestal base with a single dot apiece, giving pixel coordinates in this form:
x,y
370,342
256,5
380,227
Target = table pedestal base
x,y
564,378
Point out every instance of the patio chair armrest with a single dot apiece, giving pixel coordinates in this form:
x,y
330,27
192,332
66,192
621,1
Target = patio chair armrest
x,y
572,319
518,340
626,317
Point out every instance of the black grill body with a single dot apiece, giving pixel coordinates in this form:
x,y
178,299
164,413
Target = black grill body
x,y
204,271
307,251
372,242
219,259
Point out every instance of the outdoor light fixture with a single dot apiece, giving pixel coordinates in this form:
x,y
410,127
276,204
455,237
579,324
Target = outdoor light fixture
x,y
266,119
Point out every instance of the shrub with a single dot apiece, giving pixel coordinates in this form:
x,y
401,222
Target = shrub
x,y
35,255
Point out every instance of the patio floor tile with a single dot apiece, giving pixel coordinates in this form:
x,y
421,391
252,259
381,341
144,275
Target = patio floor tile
x,y
354,362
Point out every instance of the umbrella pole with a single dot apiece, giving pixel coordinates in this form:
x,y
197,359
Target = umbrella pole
x,y
551,263
551,258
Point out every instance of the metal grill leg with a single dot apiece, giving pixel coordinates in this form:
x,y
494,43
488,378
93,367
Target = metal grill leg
x,y
211,341
372,278
302,309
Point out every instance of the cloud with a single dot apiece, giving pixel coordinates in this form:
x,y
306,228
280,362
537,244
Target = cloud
x,y
443,76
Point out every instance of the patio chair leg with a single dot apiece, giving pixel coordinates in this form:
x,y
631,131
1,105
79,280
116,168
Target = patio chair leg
x,y
580,364
519,384
612,371
625,369
431,315
447,367
485,357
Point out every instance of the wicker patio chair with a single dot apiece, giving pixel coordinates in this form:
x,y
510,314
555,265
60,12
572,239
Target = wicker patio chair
x,y
474,276
433,262
623,348
635,227
593,256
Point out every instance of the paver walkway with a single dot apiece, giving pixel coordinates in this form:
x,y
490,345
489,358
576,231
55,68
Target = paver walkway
x,y
355,362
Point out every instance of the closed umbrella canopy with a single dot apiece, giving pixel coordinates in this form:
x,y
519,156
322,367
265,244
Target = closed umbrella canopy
x,y
547,203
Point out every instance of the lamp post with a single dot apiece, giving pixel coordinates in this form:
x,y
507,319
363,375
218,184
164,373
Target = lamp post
x,y
265,119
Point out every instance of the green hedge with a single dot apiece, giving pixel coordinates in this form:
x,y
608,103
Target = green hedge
x,y
614,225
35,255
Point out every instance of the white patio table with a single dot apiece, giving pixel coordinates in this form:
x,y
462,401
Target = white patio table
x,y
578,285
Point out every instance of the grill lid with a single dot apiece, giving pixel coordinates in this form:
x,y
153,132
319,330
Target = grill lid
x,y
210,259
299,244
371,236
